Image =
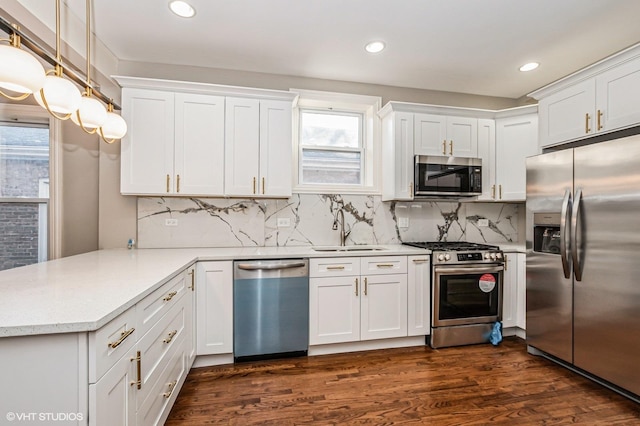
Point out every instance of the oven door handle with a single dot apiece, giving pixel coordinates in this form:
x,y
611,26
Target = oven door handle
x,y
468,269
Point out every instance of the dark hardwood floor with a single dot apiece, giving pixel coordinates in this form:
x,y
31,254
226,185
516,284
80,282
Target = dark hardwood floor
x,y
471,385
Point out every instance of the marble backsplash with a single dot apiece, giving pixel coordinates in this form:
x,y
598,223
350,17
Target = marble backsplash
x,y
219,222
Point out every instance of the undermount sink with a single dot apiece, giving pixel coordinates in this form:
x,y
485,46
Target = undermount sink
x,y
348,248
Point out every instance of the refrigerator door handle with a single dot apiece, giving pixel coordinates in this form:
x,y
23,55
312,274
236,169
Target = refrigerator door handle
x,y
577,270
564,241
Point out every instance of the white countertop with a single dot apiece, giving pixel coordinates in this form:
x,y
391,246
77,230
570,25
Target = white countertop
x,y
82,293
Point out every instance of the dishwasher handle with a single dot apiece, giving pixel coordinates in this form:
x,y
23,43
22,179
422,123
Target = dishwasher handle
x,y
259,266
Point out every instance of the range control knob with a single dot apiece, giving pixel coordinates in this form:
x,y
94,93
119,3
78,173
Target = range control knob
x,y
441,257
447,256
498,255
493,256
486,255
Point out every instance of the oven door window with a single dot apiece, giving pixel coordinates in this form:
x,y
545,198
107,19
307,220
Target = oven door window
x,y
466,296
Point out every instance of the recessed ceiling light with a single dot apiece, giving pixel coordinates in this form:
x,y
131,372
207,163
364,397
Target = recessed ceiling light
x,y
530,66
182,9
374,47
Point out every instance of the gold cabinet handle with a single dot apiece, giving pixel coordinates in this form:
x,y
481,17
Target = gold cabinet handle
x,y
451,148
335,268
506,265
122,338
178,183
444,147
138,361
356,286
600,126
500,190
493,192
411,189
587,117
171,386
365,286
168,181
420,260
193,280
171,335
262,186
169,296
254,184
384,265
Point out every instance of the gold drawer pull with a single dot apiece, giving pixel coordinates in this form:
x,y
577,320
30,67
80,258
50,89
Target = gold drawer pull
x,y
171,386
444,147
600,126
587,117
123,336
420,260
335,268
171,336
138,360
451,148
178,184
169,296
384,265
365,286
356,286
168,180
193,282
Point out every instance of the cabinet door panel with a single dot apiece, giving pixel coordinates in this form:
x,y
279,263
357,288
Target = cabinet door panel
x,y
521,289
199,144
276,147
462,136
383,306
147,148
509,291
430,134
418,296
334,310
487,152
112,399
404,151
516,139
214,293
563,114
618,91
242,146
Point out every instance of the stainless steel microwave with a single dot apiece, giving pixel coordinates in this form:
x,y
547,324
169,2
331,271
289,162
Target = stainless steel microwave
x,y
447,176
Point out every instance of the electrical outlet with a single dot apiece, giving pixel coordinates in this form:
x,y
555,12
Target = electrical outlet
x,y
483,222
284,222
171,222
403,222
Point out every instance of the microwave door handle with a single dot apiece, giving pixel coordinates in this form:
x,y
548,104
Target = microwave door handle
x,y
575,211
564,240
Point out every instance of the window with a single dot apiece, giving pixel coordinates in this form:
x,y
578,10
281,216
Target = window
x,y
24,192
337,142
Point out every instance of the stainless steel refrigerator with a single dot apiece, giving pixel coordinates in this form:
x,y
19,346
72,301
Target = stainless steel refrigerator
x,y
583,259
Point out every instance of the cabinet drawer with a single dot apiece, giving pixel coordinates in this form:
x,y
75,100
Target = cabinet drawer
x,y
155,409
160,340
110,342
334,266
383,265
158,303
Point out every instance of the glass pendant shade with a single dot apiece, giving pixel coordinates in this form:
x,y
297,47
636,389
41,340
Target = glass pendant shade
x,y
92,113
19,71
114,128
62,96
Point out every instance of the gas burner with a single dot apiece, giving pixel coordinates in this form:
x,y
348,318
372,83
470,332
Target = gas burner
x,y
451,246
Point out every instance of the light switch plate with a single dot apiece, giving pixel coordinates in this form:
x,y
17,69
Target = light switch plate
x,y
483,222
171,222
403,222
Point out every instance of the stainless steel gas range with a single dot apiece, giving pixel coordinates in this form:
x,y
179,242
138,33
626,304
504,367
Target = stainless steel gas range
x,y
466,291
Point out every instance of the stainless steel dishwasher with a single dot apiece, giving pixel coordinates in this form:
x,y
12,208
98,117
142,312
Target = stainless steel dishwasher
x,y
270,308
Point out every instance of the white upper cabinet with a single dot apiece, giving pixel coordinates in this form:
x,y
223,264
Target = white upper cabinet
x,y
189,139
600,98
397,156
444,135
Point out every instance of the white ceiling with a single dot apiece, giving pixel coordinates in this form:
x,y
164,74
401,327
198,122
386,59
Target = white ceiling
x,y
467,46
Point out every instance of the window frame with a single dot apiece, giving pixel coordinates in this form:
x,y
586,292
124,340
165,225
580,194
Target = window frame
x,y
350,104
34,115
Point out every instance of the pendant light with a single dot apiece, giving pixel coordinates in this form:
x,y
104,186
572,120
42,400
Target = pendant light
x,y
20,72
59,96
91,114
114,128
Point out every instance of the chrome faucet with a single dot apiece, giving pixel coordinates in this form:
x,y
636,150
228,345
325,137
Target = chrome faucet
x,y
335,226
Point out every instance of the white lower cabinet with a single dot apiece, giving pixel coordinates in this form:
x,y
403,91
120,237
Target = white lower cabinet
x,y
347,306
214,296
140,386
514,291
418,295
